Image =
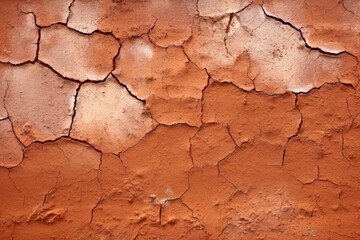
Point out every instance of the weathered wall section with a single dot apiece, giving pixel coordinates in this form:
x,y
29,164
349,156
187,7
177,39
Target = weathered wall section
x,y
179,119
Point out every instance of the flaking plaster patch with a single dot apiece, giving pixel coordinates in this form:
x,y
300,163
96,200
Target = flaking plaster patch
x,y
108,117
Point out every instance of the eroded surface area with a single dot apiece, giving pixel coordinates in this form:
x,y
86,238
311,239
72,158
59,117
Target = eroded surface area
x,y
39,103
77,56
124,119
19,34
109,118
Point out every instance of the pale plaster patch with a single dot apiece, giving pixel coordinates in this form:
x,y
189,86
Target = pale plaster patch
x,y
108,117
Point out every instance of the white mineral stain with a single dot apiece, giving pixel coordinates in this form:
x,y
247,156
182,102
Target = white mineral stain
x,y
284,62
160,201
142,50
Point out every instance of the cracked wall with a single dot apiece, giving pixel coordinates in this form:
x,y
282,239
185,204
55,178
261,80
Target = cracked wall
x,y
191,119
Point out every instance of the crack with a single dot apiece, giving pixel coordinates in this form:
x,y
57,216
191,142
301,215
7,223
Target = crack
x,y
160,213
97,31
3,101
303,38
100,164
52,190
189,171
296,107
283,155
9,117
122,163
59,74
343,235
191,210
202,96
5,118
278,215
197,7
93,209
229,23
13,231
16,187
227,30
189,60
342,3
17,64
237,190
318,88
149,32
71,79
231,136
301,117
74,109
39,36
350,113
342,150
37,43
188,175
69,9
228,26
64,137
190,149
142,139
128,90
115,58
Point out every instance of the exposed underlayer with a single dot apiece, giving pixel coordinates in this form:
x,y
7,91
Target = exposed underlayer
x,y
179,119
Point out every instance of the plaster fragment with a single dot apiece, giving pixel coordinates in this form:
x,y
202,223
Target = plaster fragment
x,y
39,102
109,118
94,54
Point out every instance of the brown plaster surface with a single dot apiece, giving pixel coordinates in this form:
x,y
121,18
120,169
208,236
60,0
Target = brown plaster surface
x,y
164,119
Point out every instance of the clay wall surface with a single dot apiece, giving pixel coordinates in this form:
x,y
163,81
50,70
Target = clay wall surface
x,y
179,119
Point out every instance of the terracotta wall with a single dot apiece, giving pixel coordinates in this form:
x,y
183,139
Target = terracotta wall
x,y
179,119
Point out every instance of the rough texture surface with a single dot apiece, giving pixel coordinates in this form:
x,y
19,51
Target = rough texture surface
x,y
109,118
189,119
77,56
39,103
11,152
17,48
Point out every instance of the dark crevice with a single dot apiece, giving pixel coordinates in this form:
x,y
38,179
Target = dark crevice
x,y
74,109
149,32
9,116
39,36
191,210
128,90
71,79
345,8
84,33
64,137
38,45
202,96
301,119
231,136
52,190
229,23
160,213
197,7
140,140
69,8
321,86
57,73
5,118
115,58
303,38
93,209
